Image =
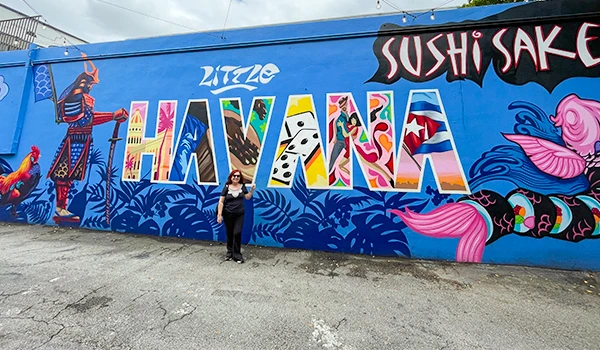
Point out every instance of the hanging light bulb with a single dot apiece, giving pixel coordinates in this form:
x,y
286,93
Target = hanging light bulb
x,y
66,51
378,4
44,27
432,15
16,42
404,19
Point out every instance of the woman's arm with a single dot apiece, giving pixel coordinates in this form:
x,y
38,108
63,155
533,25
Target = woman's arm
x,y
249,194
220,209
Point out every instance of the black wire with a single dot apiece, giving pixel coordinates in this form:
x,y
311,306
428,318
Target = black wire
x,y
398,9
150,16
435,8
226,17
31,7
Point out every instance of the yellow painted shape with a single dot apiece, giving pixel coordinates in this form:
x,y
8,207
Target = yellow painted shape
x,y
316,171
299,105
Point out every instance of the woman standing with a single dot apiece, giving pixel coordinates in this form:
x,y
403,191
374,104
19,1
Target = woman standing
x,y
231,208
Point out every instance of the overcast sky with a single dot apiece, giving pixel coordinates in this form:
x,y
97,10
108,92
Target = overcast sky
x,y
96,21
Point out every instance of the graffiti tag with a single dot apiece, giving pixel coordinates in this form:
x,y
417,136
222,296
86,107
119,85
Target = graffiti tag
x,y
225,78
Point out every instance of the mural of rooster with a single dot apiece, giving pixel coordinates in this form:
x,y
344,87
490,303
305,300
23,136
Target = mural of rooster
x,y
16,186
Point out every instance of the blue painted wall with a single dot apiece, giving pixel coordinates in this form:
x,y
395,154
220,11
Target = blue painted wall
x,y
316,59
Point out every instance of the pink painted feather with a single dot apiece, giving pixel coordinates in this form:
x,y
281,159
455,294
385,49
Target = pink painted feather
x,y
549,157
454,220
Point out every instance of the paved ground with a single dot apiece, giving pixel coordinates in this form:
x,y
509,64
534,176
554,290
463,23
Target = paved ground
x,y
72,289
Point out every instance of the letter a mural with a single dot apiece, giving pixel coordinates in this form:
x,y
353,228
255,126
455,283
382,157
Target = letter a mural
x,y
426,135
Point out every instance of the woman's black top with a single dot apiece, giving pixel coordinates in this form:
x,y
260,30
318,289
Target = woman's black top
x,y
234,200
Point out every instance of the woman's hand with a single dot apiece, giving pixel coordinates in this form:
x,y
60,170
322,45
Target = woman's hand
x,y
220,219
253,187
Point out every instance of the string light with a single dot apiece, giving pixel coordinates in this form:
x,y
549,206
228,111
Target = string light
x,y
378,4
44,22
432,15
404,19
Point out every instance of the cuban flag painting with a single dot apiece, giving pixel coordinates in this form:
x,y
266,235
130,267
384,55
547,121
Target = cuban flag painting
x,y
426,135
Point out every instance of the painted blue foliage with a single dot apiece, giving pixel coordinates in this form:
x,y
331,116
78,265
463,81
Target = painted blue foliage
x,y
195,215
323,220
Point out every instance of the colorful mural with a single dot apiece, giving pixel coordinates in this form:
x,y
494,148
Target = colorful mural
x,y
299,138
16,186
483,217
75,107
194,144
374,141
160,146
474,142
426,135
245,143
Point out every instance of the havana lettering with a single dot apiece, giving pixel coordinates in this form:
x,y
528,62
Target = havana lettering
x,y
425,135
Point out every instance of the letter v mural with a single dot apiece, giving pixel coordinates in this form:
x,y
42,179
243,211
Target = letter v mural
x,y
245,139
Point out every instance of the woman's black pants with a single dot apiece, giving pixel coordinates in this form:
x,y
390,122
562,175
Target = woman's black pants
x,y
233,225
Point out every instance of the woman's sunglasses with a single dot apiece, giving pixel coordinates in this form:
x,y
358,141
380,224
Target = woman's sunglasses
x,y
237,176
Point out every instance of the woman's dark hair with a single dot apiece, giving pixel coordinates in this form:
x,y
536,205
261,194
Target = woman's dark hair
x,y
229,182
355,117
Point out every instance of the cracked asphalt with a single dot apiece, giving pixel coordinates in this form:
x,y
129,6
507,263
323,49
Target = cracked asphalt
x,y
78,289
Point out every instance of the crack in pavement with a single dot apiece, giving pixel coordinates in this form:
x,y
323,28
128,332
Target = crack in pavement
x,y
31,318
82,298
141,295
62,327
163,309
343,320
180,248
180,318
8,295
135,299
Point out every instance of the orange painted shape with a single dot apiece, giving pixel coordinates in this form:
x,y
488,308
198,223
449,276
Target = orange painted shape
x,y
384,141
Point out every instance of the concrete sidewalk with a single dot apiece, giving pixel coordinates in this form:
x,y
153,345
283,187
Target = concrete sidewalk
x,y
77,289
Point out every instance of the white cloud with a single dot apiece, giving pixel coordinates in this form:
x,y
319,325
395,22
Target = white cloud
x,y
96,21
